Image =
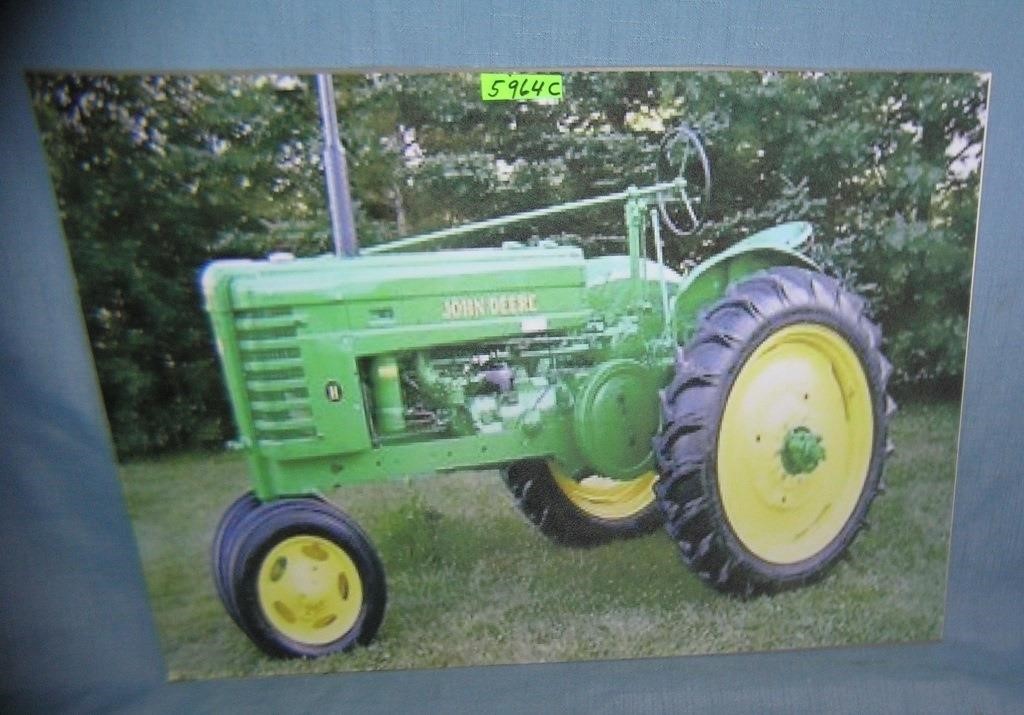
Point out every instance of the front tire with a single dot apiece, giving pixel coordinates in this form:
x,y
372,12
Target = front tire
x,y
775,432
587,512
223,544
301,579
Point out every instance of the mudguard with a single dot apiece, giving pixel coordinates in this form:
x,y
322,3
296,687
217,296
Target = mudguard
x,y
708,281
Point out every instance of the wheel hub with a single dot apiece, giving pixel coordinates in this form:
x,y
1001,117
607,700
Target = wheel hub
x,y
801,451
310,589
800,394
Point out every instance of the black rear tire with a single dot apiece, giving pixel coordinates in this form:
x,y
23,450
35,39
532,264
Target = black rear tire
x,y
597,512
725,473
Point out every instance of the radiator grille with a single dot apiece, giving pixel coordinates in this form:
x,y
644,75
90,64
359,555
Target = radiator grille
x,y
274,377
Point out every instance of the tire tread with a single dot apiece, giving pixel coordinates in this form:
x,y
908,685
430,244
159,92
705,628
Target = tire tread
x,y
693,404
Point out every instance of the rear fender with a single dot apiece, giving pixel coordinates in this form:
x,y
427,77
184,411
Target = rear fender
x,y
708,281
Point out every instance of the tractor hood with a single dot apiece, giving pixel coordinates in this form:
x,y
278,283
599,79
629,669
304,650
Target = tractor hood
x,y
254,284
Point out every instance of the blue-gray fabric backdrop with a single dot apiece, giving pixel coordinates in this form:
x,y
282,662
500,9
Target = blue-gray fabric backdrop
x,y
75,628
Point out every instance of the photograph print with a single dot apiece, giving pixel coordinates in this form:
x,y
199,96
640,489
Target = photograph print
x,y
422,370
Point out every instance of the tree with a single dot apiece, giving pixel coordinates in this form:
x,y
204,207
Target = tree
x,y
157,175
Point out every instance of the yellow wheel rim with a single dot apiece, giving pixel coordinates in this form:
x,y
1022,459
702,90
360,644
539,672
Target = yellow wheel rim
x,y
310,590
805,379
607,498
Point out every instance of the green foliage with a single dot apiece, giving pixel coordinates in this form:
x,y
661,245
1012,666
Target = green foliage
x,y
157,175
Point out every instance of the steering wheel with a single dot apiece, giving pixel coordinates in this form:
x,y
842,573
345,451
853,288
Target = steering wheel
x,y
682,157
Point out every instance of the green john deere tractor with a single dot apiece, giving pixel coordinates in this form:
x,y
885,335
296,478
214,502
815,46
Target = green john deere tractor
x,y
743,405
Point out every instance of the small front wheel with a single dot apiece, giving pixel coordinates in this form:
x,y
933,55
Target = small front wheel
x,y
224,542
303,579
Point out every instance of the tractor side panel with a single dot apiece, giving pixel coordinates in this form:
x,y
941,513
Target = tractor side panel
x,y
343,371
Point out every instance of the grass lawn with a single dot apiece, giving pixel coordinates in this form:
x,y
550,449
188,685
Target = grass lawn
x,y
471,582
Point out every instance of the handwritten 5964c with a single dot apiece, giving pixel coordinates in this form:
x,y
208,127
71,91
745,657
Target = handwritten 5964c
x,y
494,86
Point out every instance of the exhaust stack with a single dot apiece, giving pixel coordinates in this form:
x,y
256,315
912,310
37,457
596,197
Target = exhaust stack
x,y
339,200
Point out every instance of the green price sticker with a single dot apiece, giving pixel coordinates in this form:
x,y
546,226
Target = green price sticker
x,y
494,86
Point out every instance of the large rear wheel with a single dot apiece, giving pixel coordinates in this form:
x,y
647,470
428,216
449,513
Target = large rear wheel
x,y
775,432
586,511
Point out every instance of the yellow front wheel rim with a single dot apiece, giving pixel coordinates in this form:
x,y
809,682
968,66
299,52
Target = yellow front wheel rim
x,y
802,384
607,498
310,589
